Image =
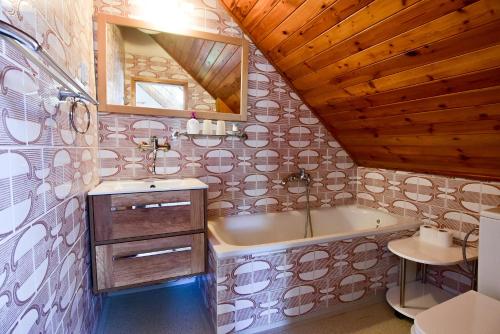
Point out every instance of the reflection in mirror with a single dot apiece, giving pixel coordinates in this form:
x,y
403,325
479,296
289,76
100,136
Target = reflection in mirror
x,y
169,94
151,69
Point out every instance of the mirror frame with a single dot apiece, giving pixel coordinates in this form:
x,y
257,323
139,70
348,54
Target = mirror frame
x,y
104,19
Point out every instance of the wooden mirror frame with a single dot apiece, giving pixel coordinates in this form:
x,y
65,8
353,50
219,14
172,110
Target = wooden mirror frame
x,y
104,19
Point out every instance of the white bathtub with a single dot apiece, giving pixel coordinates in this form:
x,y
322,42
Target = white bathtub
x,y
243,235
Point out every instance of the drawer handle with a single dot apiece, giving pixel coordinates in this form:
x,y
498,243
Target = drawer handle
x,y
156,253
150,206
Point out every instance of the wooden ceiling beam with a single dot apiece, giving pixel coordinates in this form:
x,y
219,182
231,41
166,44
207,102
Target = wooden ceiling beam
x,y
411,85
373,13
469,81
466,114
476,61
404,20
472,16
471,40
334,14
473,98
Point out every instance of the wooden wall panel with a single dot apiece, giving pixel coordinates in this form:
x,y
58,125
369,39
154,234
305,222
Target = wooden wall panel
x,y
411,85
205,61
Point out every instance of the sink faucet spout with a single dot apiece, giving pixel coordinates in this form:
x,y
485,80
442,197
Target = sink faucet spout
x,y
154,146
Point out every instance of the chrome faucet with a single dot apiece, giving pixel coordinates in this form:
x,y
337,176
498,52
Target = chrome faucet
x,y
304,177
154,146
301,176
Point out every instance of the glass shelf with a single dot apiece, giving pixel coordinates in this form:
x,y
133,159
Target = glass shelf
x,y
237,134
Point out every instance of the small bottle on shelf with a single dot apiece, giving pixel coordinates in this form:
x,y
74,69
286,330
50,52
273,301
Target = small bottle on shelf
x,y
193,126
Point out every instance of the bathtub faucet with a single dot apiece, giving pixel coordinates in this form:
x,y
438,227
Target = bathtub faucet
x,y
302,176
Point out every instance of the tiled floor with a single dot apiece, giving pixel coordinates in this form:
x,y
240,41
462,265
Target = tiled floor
x,y
373,319
172,310
180,310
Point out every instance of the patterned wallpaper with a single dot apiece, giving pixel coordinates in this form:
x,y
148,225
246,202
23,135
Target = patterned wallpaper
x,y
255,291
284,135
166,68
243,176
45,170
450,203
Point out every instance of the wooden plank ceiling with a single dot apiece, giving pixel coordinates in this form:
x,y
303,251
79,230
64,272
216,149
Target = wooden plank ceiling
x,y
409,85
216,66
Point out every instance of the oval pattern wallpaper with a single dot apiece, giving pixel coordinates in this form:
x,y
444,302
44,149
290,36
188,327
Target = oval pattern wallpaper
x,y
244,176
46,170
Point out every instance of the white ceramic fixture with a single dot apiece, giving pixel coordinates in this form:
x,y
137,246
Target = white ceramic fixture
x,y
141,186
416,250
420,296
469,313
472,312
238,235
489,249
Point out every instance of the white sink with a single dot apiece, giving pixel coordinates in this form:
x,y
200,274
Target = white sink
x,y
141,186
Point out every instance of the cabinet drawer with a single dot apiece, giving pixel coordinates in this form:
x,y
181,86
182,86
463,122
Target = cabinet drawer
x,y
148,214
124,201
138,262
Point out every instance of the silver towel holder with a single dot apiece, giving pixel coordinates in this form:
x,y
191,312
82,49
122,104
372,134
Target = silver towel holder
x,y
74,105
30,47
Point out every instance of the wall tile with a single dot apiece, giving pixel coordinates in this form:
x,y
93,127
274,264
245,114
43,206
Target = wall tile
x,y
259,289
243,175
46,169
450,203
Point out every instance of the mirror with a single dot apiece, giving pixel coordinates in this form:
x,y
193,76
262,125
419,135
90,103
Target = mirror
x,y
151,71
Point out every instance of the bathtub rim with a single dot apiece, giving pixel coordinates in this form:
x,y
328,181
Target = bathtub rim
x,y
224,250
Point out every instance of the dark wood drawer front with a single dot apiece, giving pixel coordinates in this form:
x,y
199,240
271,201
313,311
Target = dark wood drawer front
x,y
138,262
142,215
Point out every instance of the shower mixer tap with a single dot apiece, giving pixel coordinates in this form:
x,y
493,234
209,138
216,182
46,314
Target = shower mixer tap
x,y
301,176
304,177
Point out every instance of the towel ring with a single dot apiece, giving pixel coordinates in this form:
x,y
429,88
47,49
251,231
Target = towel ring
x,y
74,105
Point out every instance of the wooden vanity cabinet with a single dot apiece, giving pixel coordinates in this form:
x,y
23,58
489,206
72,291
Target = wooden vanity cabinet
x,y
145,238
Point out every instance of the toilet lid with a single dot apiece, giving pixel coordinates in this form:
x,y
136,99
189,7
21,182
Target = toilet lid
x,y
470,312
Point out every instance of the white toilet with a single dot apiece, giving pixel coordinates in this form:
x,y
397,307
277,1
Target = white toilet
x,y
472,312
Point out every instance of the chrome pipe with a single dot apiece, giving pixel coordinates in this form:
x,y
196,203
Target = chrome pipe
x,y
302,176
308,218
19,36
402,281
28,46
472,269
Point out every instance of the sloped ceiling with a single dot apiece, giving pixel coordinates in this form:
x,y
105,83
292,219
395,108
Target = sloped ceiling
x,y
216,66
410,85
